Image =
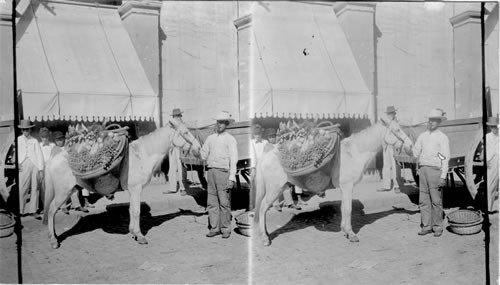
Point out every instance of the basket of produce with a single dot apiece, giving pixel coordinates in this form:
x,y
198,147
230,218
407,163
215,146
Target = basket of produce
x,y
307,152
307,147
95,151
465,222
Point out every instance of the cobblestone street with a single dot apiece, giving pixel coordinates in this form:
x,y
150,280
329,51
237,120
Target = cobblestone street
x,y
307,246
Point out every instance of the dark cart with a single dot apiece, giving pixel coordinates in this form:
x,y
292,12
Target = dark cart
x,y
466,147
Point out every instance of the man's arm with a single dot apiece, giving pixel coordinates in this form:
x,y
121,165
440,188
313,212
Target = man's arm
x,y
204,150
417,148
445,151
233,158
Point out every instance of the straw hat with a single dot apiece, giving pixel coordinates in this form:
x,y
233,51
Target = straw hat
x,y
25,124
390,109
436,114
224,116
58,135
492,121
44,132
176,112
270,133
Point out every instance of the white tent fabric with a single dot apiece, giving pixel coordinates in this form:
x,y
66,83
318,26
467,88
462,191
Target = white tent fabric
x,y
77,61
304,65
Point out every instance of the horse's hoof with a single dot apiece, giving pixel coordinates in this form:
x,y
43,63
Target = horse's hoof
x,y
266,242
353,238
54,245
140,240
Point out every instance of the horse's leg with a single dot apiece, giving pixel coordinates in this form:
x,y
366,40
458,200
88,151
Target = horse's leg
x,y
135,214
61,195
273,191
346,208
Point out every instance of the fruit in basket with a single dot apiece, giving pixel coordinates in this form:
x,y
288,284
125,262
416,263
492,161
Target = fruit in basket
x,y
304,145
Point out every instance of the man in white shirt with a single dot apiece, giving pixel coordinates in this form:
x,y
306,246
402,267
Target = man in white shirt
x,y
46,146
389,164
258,143
31,165
492,160
432,150
220,151
175,171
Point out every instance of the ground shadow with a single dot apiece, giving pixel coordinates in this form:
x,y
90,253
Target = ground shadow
x,y
328,218
116,220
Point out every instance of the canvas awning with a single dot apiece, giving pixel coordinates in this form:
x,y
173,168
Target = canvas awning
x,y
302,64
76,61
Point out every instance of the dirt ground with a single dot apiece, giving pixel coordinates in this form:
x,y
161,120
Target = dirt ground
x,y
307,246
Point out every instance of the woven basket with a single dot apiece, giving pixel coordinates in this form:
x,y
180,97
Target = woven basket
x,y
465,222
464,216
7,223
313,167
244,222
105,169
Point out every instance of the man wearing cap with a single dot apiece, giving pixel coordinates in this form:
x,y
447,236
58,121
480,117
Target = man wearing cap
x,y
46,147
492,160
31,165
220,151
389,174
432,150
175,170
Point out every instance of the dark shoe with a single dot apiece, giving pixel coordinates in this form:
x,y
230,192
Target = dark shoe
x,y
424,232
38,216
226,235
212,234
169,192
81,209
183,192
438,234
383,190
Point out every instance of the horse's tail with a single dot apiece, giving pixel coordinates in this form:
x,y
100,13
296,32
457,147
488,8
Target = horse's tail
x,y
49,193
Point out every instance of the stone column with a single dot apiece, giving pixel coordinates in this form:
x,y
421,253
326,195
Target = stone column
x,y
6,63
358,22
141,20
467,62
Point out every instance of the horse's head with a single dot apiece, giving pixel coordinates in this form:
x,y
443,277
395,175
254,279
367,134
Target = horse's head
x,y
396,137
183,138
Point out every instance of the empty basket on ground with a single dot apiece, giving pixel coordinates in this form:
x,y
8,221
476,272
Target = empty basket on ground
x,y
7,223
465,222
244,222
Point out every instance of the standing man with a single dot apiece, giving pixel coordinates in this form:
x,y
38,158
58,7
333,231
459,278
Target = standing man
x,y
220,151
389,174
175,169
432,150
31,165
492,160
46,147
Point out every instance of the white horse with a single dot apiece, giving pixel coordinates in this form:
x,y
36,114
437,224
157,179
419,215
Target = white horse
x,y
144,157
356,152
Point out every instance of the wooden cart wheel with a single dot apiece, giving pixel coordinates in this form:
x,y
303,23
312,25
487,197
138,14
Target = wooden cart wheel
x,y
473,164
4,151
